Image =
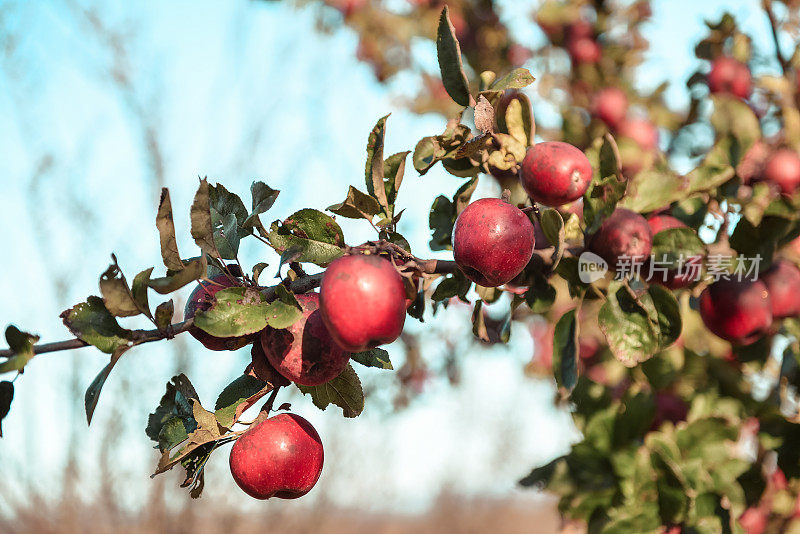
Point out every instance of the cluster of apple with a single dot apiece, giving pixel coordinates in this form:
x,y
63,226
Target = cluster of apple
x,y
361,304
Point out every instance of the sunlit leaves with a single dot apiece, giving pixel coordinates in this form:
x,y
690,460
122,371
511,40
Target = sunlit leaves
x,y
516,79
310,235
239,311
91,322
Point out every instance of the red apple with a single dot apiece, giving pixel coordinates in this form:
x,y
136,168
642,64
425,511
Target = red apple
x,y
624,234
642,131
783,283
555,173
753,521
492,241
305,353
363,302
729,75
671,279
737,311
584,50
280,457
610,105
201,299
782,168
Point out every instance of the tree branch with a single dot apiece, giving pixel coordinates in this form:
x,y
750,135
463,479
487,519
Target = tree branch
x,y
300,285
773,24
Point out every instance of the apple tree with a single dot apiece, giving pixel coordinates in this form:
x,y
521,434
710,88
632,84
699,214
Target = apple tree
x,y
656,296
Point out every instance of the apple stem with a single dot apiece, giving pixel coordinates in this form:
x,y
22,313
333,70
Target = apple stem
x,y
506,196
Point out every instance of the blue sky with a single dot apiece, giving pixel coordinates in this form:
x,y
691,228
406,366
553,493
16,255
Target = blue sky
x,y
240,91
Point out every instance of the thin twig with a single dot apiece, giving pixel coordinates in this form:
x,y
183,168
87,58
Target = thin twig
x,y
773,24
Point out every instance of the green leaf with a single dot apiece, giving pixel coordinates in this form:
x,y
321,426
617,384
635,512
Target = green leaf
x,y
655,188
733,117
92,395
607,188
541,294
263,197
450,65
237,311
763,240
357,205
629,325
166,233
175,405
668,315
226,234
539,477
444,213
454,285
22,344
237,397
464,194
441,220
91,322
634,418
226,203
394,167
669,246
516,79
258,268
6,396
285,311
715,170
164,313
194,269
343,391
200,443
553,227
315,237
565,351
202,224
373,358
375,164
